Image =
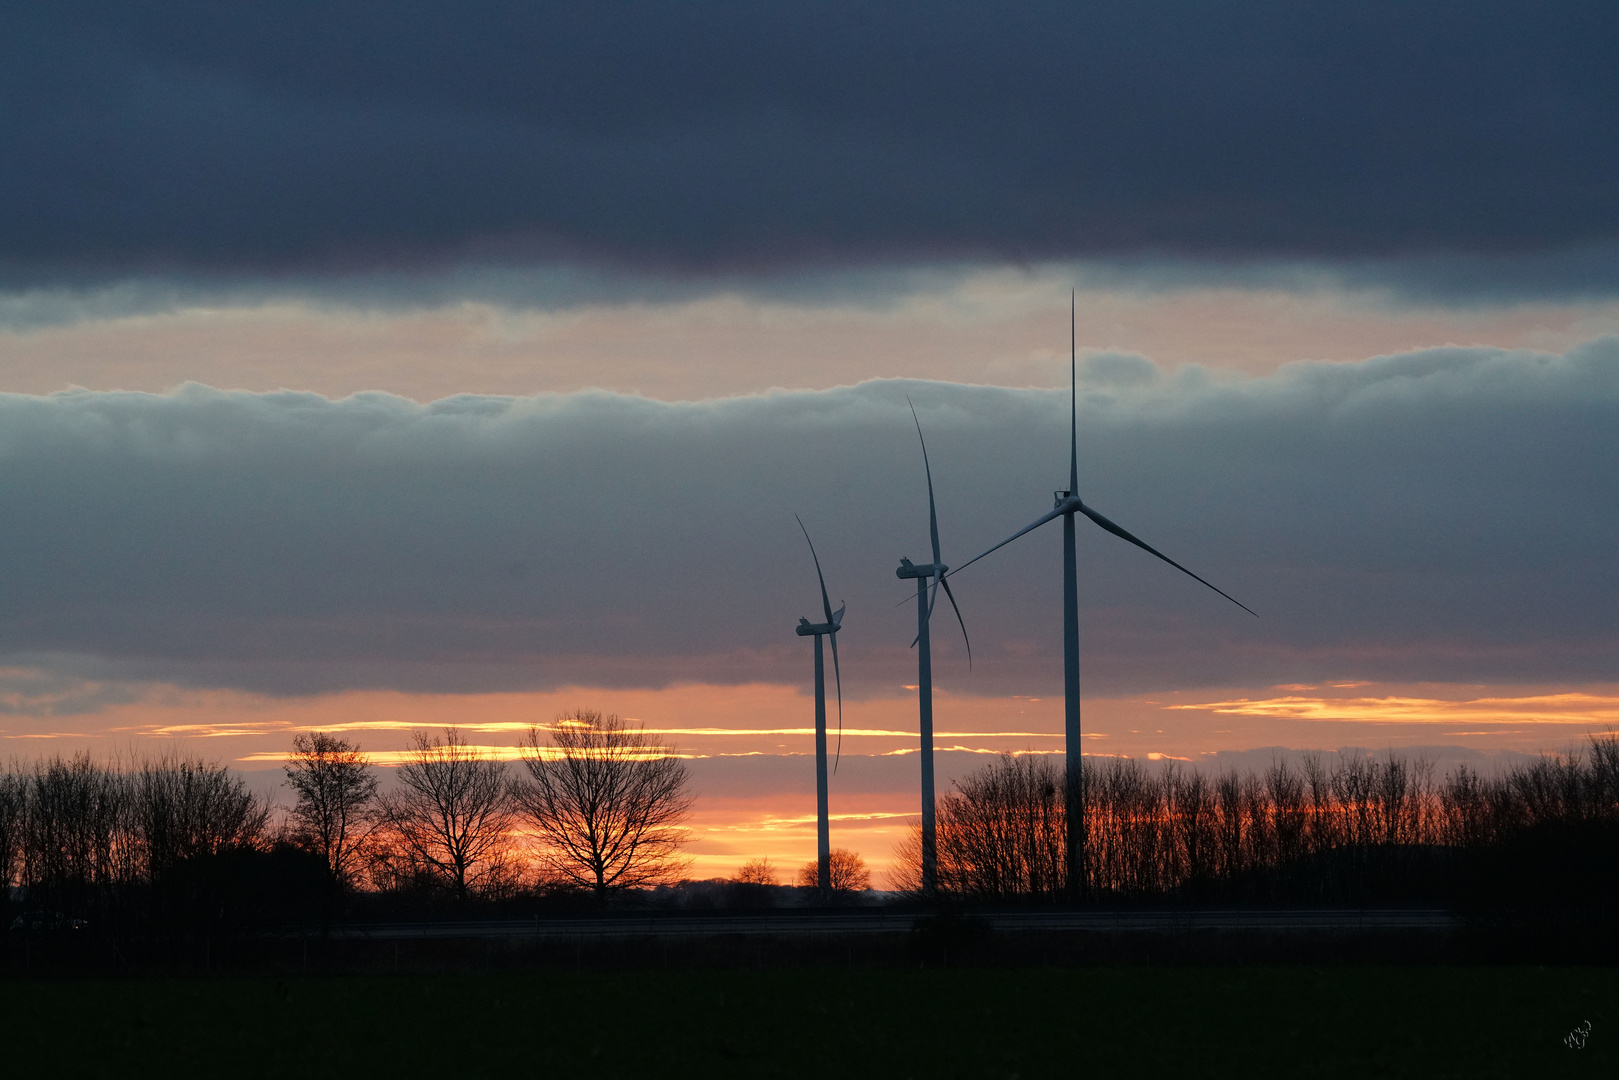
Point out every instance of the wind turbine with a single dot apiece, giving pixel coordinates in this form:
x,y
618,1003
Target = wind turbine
x,y
1067,505
924,668
829,629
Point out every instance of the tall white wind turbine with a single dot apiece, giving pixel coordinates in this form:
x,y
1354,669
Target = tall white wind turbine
x,y
1067,505
827,629
924,669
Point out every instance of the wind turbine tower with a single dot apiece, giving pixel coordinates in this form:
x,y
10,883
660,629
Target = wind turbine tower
x,y
1068,504
922,573
827,629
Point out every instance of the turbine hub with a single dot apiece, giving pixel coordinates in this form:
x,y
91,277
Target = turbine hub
x,y
908,569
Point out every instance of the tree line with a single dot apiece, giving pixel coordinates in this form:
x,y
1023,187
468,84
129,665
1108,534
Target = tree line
x,y
91,840
1349,828
595,806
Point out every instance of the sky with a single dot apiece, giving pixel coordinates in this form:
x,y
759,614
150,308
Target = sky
x,y
378,369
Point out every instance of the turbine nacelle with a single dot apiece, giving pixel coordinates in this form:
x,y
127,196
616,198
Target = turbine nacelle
x,y
908,569
1066,501
806,628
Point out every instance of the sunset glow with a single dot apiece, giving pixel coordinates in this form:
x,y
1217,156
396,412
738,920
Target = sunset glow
x,y
745,812
1579,710
477,368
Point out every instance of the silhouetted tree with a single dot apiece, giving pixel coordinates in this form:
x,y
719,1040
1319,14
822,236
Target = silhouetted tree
x,y
905,872
755,886
756,872
605,801
13,799
1322,818
1289,817
1000,834
451,816
186,808
1365,826
1189,802
79,844
1002,830
1465,810
336,795
848,872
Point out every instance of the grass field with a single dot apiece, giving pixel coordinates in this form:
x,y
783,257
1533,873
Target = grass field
x,y
882,1022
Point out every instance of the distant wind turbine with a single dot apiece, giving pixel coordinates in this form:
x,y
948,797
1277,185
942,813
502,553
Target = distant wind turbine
x,y
924,668
1069,504
829,629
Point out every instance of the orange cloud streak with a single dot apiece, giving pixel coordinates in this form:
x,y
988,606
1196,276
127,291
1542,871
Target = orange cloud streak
x,y
1567,708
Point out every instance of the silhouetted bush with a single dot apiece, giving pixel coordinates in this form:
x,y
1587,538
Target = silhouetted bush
x,y
240,889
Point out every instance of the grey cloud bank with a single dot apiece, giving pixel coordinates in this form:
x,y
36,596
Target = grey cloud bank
x,y
1442,515
293,137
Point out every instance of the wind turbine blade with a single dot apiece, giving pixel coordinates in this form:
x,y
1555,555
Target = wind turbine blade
x,y
960,620
1027,528
1073,394
826,603
838,675
1123,535
933,517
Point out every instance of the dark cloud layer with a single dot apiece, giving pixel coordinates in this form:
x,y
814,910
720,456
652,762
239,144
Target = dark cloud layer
x,y
291,135
1442,515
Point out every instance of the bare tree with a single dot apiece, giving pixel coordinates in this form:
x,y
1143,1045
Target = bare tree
x,y
1285,789
1464,809
1189,805
186,807
336,793
452,814
1323,825
905,872
1000,833
606,801
848,873
1003,830
13,799
756,872
79,843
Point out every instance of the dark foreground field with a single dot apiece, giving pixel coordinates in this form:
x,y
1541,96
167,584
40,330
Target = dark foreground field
x,y
1045,1022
